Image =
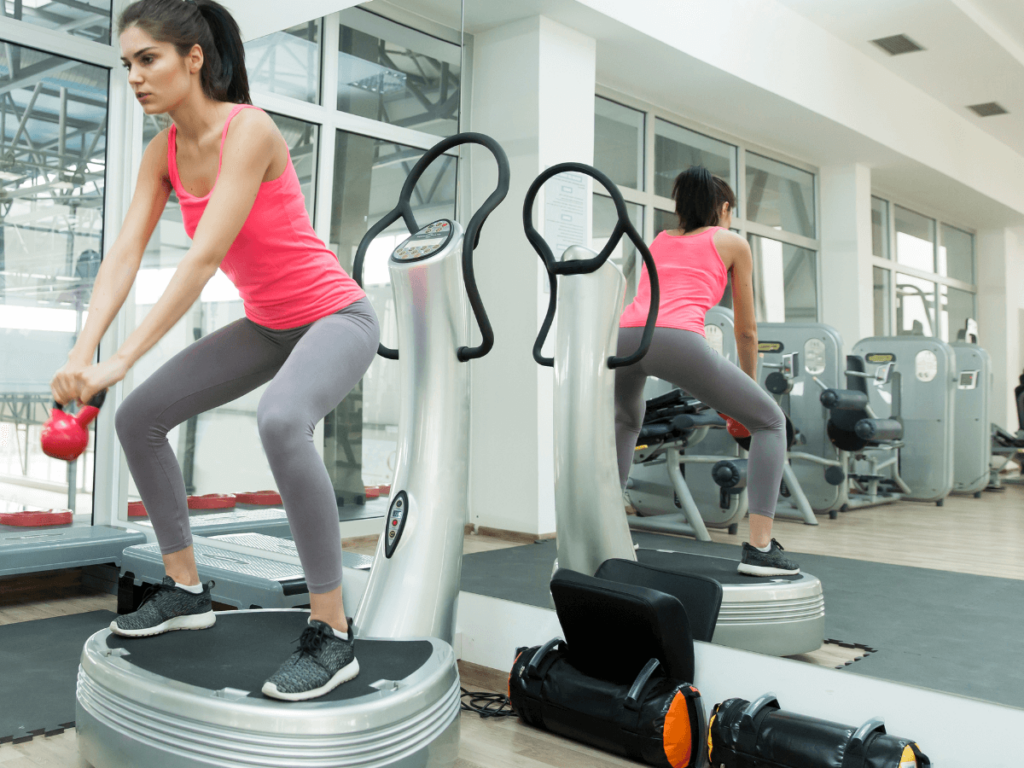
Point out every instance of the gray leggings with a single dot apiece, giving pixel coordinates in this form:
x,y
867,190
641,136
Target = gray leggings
x,y
684,359
310,370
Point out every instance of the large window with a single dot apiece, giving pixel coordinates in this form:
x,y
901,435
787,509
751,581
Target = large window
x,y
287,62
398,75
82,18
776,200
368,175
928,289
53,126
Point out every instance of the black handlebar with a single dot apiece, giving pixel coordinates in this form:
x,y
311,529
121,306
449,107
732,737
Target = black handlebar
x,y
585,266
472,236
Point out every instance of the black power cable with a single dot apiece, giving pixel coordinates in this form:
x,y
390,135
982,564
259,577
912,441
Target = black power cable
x,y
486,704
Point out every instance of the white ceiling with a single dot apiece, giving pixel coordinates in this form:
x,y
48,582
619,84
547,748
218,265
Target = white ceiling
x,y
974,50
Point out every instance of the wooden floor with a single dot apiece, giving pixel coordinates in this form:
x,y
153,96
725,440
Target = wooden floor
x,y
982,536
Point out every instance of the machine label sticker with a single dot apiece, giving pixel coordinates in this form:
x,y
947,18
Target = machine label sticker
x,y
881,357
428,241
770,346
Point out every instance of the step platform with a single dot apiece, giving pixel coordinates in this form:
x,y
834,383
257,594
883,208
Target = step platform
x,y
250,570
32,550
186,699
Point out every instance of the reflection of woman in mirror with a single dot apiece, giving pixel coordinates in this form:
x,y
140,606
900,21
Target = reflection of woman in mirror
x,y
693,264
308,328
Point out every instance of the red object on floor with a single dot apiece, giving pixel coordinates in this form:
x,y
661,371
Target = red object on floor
x,y
36,518
372,492
137,509
212,501
267,498
385,490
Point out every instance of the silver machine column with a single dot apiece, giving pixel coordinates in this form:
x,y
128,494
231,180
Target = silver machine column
x,y
414,579
589,512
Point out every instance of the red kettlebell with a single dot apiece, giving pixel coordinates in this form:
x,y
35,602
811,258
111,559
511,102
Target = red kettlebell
x,y
734,428
66,436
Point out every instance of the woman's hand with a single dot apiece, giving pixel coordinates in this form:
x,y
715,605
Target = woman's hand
x,y
101,376
78,381
67,382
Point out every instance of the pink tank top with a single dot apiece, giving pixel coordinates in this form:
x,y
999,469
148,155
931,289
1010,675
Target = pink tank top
x,y
691,278
284,273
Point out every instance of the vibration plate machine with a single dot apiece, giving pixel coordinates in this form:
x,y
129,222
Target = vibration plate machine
x,y
781,615
193,698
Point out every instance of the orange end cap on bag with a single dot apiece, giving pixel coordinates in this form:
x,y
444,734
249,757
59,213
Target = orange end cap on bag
x,y
677,737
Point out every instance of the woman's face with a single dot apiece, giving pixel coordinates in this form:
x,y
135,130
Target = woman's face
x,y
160,78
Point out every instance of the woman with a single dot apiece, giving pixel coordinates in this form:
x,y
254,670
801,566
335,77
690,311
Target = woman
x,y
693,264
309,329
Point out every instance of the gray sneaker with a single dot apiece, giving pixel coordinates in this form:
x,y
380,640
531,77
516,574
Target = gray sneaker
x,y
165,608
323,662
770,563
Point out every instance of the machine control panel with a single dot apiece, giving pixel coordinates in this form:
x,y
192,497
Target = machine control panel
x,y
425,243
397,516
968,380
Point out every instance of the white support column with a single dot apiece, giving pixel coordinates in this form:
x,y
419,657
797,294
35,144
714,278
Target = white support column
x,y
533,92
846,278
1000,259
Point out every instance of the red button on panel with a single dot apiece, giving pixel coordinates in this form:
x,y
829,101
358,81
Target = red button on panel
x,y
394,522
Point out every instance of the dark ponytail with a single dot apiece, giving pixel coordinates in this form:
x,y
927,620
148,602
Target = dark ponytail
x,y
206,23
699,197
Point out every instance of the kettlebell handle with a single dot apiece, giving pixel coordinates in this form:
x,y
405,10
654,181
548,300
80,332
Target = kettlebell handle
x,y
96,402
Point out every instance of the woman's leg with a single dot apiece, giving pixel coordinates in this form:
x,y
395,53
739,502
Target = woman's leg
x,y
326,363
684,358
214,370
629,402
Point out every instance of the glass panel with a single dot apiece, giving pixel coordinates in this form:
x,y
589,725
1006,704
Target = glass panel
x,y
956,308
956,254
785,281
915,240
780,195
676,149
915,306
397,75
880,228
287,62
53,118
82,18
625,254
619,142
881,296
368,175
219,451
664,220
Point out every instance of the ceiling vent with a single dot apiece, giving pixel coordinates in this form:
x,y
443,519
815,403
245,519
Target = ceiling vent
x,y
897,44
988,110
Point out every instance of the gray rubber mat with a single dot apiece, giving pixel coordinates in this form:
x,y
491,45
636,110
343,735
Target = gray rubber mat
x,y
947,631
39,673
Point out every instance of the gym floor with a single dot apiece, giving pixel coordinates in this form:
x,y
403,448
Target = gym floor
x,y
980,536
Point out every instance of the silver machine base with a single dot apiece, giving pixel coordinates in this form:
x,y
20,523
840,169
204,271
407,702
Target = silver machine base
x,y
128,717
778,616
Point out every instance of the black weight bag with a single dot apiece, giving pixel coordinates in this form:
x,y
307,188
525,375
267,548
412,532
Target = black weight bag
x,y
620,679
761,735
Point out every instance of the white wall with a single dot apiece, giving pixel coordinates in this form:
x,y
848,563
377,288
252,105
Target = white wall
x,y
533,92
1001,314
846,281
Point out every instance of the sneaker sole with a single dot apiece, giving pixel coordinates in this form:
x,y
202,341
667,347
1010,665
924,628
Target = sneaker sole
x,y
765,570
192,621
343,675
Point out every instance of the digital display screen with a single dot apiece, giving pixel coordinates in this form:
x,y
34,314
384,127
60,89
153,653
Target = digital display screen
x,y
426,242
968,379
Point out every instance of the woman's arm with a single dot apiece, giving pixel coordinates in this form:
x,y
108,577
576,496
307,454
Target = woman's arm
x,y
249,150
744,321
118,269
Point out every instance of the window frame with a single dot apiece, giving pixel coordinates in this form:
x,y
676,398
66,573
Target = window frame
x,y
894,268
651,202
